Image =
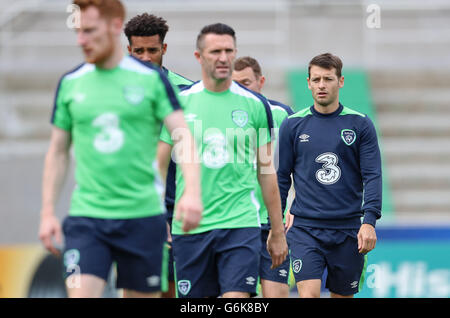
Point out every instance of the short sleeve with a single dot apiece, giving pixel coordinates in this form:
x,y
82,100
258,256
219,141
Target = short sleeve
x,y
61,117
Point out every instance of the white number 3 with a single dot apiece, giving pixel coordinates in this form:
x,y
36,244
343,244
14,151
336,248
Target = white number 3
x,y
110,138
330,172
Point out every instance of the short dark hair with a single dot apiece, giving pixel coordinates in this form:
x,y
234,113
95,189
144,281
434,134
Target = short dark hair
x,y
108,8
247,61
327,61
146,25
216,28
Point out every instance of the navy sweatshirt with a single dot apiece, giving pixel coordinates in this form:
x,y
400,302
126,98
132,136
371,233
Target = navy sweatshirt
x,y
336,165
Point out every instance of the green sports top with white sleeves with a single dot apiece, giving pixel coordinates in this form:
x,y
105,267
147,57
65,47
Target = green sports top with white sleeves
x,y
228,127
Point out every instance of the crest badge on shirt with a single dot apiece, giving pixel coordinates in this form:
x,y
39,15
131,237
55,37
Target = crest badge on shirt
x,y
134,94
240,117
348,136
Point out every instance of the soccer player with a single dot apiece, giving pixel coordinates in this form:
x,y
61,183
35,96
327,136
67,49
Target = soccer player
x,y
146,34
333,153
274,282
231,125
111,108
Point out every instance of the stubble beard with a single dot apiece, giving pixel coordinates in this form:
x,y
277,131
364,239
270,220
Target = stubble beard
x,y
104,53
219,77
325,103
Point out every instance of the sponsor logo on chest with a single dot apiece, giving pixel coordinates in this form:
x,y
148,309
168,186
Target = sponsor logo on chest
x,y
304,138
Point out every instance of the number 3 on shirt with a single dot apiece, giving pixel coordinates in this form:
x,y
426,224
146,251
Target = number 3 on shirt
x,y
330,172
110,139
215,154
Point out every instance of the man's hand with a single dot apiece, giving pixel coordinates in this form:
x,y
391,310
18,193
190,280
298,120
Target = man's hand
x,y
289,221
189,209
367,238
277,248
169,235
49,228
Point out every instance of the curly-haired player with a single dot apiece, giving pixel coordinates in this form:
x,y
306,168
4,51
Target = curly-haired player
x,y
146,33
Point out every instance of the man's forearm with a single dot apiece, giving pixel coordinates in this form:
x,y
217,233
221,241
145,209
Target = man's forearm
x,y
189,207
55,171
276,241
271,196
185,151
190,166
163,153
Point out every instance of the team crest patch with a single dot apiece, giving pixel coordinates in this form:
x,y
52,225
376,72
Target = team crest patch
x,y
184,287
240,117
348,136
297,265
134,94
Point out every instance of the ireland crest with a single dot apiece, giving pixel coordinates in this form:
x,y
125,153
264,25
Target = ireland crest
x,y
297,265
134,94
184,286
240,117
348,136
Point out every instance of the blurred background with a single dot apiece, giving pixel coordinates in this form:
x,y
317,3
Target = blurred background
x,y
396,57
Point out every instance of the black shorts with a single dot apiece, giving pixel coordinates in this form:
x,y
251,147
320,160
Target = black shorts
x,y
313,249
279,274
137,246
212,263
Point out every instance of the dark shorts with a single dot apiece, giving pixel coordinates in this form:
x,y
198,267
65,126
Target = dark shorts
x,y
312,250
136,246
279,274
212,263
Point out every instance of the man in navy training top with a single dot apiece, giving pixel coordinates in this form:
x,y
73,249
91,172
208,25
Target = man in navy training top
x,y
333,153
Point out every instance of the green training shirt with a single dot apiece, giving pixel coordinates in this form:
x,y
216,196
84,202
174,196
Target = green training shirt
x,y
228,127
114,117
177,79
